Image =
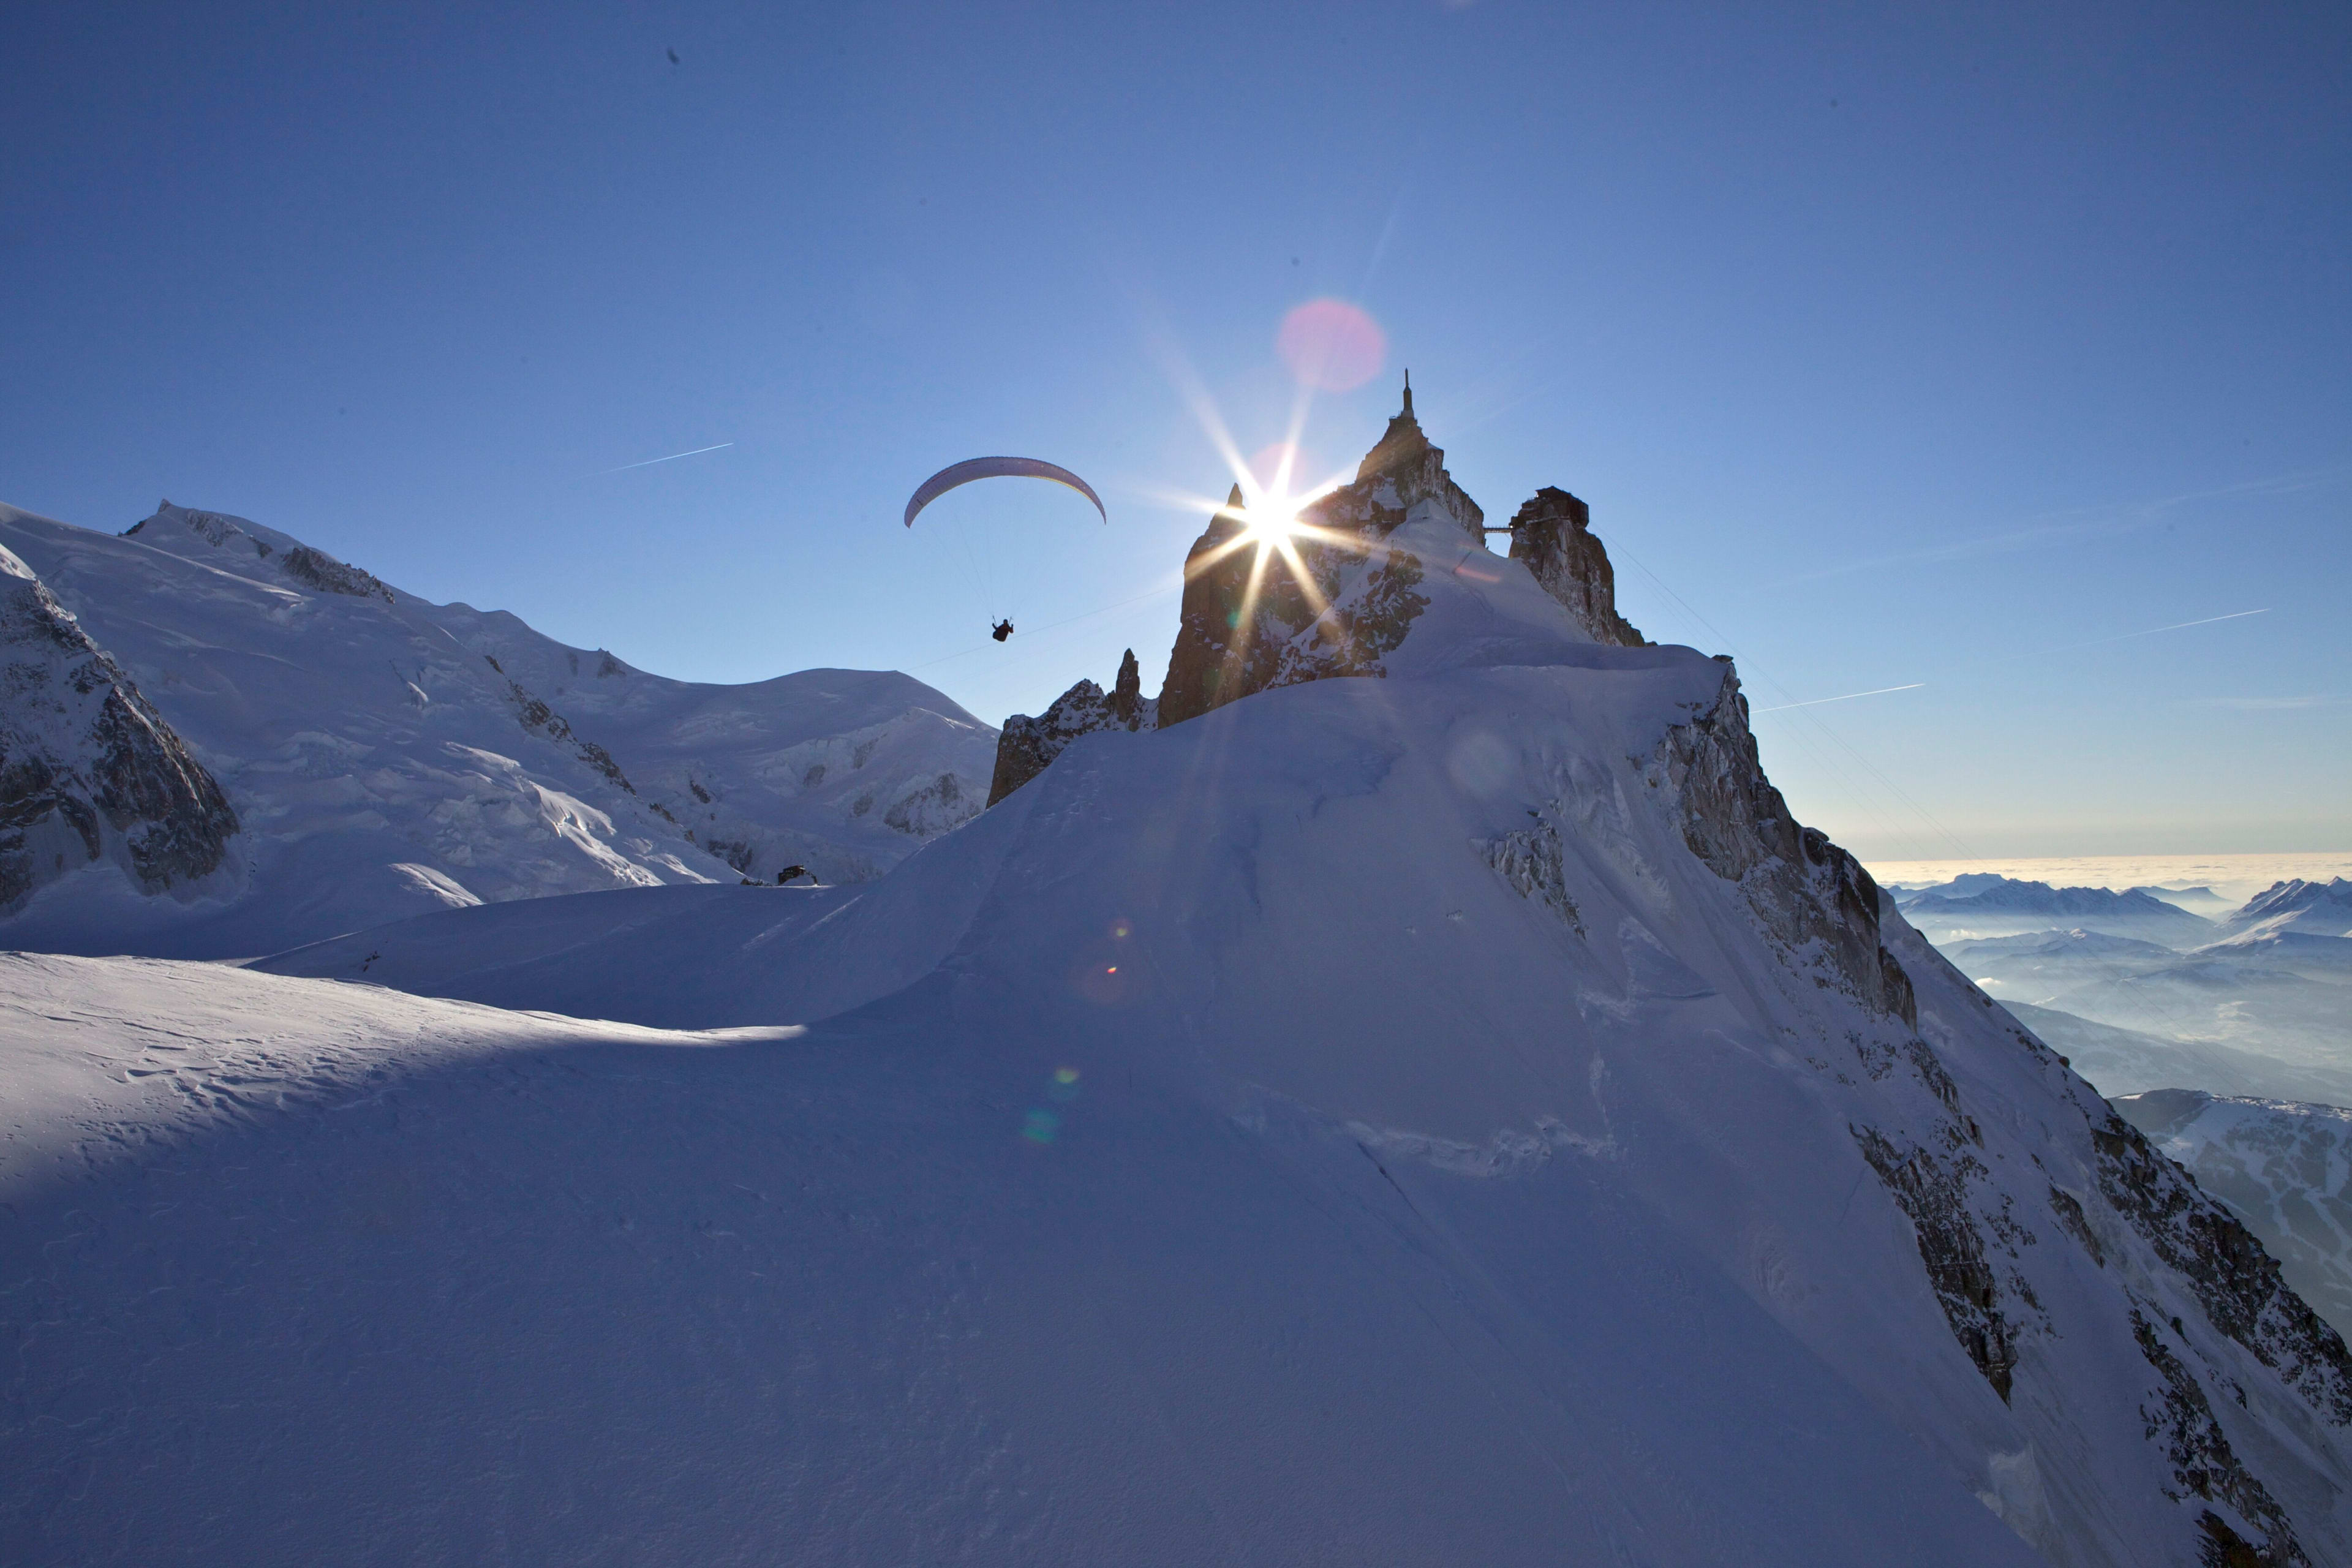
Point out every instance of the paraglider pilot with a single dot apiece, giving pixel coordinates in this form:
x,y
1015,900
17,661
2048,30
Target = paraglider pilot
x,y
1003,629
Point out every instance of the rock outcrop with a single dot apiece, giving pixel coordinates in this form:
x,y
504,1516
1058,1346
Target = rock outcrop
x,y
1815,899
1028,746
1552,536
1252,620
2284,1167
1332,597
87,768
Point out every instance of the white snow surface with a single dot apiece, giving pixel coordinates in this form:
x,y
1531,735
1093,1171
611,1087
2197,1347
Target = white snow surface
x,y
1220,1151
390,756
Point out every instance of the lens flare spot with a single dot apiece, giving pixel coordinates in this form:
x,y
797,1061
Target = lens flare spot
x,y
1066,1074
1039,1126
1279,467
1120,930
1331,345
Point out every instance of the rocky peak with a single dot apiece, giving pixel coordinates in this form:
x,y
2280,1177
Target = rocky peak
x,y
1402,446
1346,603
1028,746
1552,536
87,767
1126,702
314,571
1340,595
1401,472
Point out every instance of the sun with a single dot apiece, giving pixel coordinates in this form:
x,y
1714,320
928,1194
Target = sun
x,y
1271,519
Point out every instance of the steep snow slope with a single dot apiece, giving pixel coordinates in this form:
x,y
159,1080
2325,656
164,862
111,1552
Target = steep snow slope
x,y
390,756
1448,1113
2285,1168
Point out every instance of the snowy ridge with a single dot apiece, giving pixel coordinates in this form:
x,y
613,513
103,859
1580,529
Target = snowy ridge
x,y
389,756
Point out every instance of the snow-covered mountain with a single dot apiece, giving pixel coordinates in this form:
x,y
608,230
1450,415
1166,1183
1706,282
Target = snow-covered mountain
x,y
1427,1102
2310,909
2285,1168
387,756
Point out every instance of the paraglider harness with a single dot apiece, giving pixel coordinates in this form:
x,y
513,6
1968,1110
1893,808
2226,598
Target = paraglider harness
x,y
1001,630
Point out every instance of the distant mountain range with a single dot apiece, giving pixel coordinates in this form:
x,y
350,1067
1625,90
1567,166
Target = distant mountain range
x,y
381,756
2146,994
1983,905
2287,996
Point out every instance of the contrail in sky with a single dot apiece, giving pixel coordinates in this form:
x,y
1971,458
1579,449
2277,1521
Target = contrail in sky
x,y
1849,697
2124,637
2105,521
2127,637
649,462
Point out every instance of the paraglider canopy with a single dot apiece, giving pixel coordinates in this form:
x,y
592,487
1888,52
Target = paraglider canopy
x,y
963,473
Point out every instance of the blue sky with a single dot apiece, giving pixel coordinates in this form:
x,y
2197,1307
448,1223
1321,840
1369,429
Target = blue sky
x,y
1888,347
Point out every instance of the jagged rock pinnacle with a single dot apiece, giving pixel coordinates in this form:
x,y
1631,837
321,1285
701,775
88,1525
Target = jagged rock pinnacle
x,y
1551,535
1403,446
1028,746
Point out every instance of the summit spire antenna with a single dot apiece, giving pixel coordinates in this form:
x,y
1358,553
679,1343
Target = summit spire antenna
x,y
1408,391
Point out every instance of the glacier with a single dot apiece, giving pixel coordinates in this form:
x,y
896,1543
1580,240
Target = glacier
x,y
388,756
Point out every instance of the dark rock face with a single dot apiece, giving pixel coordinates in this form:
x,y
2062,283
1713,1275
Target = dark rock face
x,y
1552,536
2275,1164
314,569
87,767
1934,1192
1803,888
2239,1284
2204,1463
1250,624
1027,746
920,813
539,718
